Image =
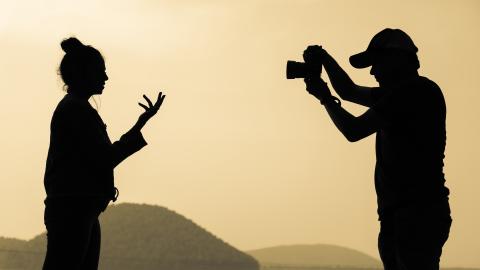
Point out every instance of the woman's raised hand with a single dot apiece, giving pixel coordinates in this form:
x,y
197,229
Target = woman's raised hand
x,y
150,110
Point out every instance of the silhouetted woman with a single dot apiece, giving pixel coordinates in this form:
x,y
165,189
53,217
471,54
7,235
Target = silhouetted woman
x,y
81,158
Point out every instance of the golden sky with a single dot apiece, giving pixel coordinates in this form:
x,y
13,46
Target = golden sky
x,y
236,147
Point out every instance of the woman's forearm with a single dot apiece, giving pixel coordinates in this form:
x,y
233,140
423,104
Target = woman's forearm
x,y
137,127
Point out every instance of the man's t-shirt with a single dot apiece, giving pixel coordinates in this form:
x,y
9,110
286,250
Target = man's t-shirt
x,y
410,146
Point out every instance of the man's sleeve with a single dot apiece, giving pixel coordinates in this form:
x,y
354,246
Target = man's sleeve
x,y
385,105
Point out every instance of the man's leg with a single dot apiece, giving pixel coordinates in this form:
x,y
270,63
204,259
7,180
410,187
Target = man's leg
x,y
386,243
419,237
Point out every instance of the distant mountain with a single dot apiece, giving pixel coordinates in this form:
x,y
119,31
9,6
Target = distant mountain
x,y
12,243
314,256
142,237
318,257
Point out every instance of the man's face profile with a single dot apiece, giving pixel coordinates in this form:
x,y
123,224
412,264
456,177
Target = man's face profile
x,y
382,70
387,68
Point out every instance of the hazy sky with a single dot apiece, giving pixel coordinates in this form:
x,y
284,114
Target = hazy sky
x,y
236,147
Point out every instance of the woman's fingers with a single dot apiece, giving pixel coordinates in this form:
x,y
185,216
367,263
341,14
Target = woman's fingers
x,y
153,108
159,100
150,104
143,106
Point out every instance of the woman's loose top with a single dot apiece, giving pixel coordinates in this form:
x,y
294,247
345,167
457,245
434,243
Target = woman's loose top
x,y
81,157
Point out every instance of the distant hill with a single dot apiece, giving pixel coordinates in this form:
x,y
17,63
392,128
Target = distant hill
x,y
314,256
318,257
142,237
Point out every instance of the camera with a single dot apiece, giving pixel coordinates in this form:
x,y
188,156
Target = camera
x,y
310,68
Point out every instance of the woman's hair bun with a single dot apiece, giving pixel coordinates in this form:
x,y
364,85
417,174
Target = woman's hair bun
x,y
71,45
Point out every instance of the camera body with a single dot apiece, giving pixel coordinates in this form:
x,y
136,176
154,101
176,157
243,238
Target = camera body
x,y
310,68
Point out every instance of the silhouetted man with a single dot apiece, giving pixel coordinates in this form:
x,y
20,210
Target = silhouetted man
x,y
407,111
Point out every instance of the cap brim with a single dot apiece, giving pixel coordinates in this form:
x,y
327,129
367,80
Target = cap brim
x,y
361,60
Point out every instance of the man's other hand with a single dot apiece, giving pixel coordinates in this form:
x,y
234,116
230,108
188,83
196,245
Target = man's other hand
x,y
318,88
314,54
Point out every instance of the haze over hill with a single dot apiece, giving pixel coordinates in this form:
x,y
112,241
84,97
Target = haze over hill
x,y
317,257
142,237
314,255
146,237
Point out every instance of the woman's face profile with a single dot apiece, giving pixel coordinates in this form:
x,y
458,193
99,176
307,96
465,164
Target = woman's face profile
x,y
95,77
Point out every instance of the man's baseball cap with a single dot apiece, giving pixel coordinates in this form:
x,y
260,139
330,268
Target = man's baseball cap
x,y
386,40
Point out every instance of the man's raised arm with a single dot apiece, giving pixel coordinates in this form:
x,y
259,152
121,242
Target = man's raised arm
x,y
343,85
